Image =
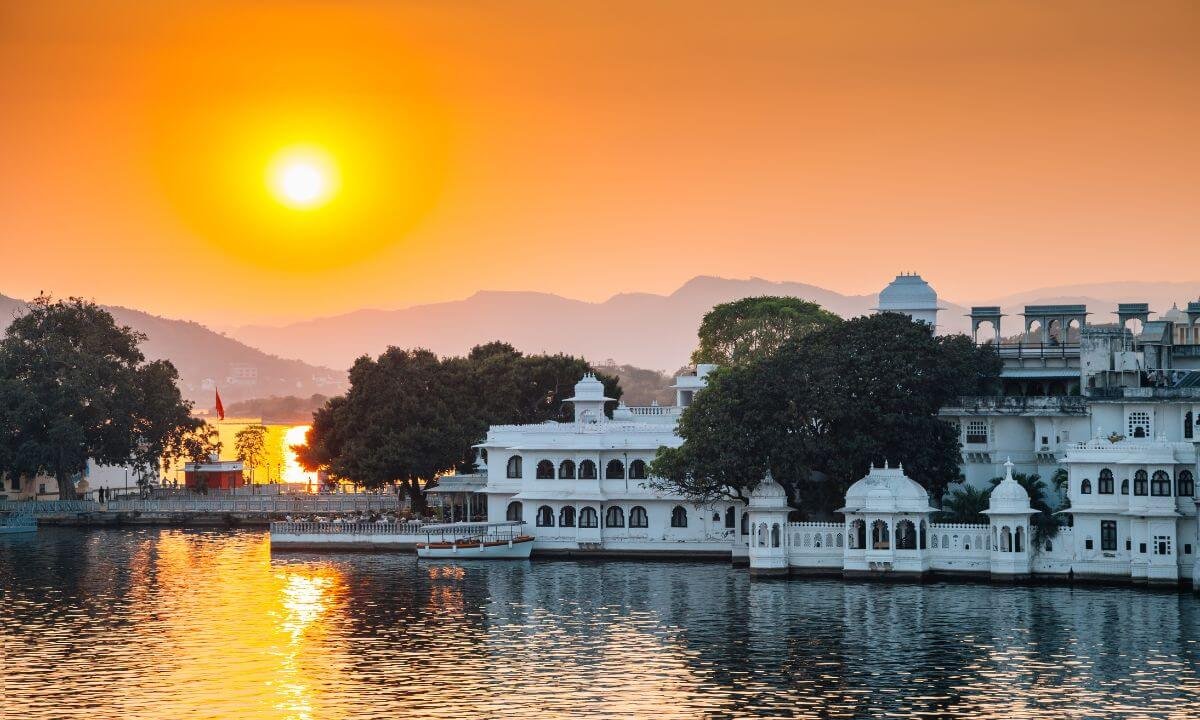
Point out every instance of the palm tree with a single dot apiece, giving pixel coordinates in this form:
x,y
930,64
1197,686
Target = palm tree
x,y
965,505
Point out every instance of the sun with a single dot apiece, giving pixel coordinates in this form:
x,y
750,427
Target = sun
x,y
302,178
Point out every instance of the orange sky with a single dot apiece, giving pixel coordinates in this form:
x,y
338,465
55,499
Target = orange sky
x,y
589,148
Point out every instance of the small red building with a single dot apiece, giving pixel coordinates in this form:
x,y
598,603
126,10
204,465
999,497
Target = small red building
x,y
214,475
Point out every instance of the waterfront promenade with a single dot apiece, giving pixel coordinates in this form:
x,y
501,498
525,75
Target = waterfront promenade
x,y
199,510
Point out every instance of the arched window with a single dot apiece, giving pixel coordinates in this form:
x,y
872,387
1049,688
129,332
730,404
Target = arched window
x,y
1187,484
637,470
762,535
906,535
1019,545
614,516
514,466
545,470
545,516
945,542
730,518
1085,487
858,535
880,538
775,535
1125,486
922,538
566,470
1005,539
566,516
513,512
994,544
828,539
745,523
1160,484
1139,482
615,470
678,517
588,517
638,517
587,470
840,540
1104,486
1189,425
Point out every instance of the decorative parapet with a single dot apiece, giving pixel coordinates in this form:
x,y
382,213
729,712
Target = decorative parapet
x,y
1064,404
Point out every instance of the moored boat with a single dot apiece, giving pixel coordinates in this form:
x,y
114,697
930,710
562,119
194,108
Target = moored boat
x,y
501,541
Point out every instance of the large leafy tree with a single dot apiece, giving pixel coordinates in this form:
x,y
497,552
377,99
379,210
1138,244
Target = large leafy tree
x,y
824,407
741,331
74,386
410,416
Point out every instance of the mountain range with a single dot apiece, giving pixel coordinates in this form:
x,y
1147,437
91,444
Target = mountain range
x,y
641,329
207,360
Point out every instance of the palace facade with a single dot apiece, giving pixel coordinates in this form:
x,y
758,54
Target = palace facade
x,y
1115,404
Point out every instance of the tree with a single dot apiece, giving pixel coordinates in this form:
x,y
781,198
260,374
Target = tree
x,y
74,386
965,505
410,416
738,332
251,443
824,408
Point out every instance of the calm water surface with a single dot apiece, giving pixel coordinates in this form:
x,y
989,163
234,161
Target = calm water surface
x,y
195,624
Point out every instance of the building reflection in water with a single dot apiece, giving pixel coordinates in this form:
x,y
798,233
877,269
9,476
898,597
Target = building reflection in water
x,y
173,624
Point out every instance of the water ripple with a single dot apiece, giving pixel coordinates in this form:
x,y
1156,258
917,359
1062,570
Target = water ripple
x,y
191,624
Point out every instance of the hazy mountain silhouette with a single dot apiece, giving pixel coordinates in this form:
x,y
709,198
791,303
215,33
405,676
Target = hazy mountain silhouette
x,y
641,329
205,358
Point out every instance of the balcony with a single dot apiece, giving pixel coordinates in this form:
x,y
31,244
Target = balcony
x,y
1019,404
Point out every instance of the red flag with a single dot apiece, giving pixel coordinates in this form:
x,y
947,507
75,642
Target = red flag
x,y
220,407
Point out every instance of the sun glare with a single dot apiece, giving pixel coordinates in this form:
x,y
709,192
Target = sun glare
x,y
302,178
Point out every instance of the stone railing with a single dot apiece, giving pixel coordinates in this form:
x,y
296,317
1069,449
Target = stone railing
x,y
48,507
956,537
280,504
345,528
815,538
650,410
1021,403
23,520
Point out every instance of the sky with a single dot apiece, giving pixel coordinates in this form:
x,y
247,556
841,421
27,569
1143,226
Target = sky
x,y
588,148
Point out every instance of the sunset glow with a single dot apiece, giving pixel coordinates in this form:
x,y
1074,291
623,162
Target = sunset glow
x,y
303,178
292,472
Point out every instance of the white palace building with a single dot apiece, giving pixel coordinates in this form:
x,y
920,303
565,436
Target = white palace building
x,y
1115,404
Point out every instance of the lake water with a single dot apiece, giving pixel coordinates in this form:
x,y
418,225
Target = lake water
x,y
201,624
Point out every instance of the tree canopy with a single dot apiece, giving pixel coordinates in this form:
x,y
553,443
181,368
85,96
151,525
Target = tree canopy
x,y
410,416
741,331
74,386
250,443
823,408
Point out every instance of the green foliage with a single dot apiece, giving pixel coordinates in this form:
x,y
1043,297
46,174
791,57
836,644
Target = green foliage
x,y
74,386
739,332
965,505
251,443
825,407
410,416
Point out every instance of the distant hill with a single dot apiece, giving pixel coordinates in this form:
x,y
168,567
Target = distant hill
x,y
640,329
206,359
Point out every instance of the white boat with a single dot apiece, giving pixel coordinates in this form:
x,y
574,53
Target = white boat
x,y
12,523
464,541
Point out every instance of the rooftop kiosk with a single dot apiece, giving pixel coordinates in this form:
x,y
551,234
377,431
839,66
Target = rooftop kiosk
x,y
1008,514
887,524
768,521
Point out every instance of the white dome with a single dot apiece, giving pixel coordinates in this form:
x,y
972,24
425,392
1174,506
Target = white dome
x,y
1009,498
768,493
887,490
588,389
907,292
1175,314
